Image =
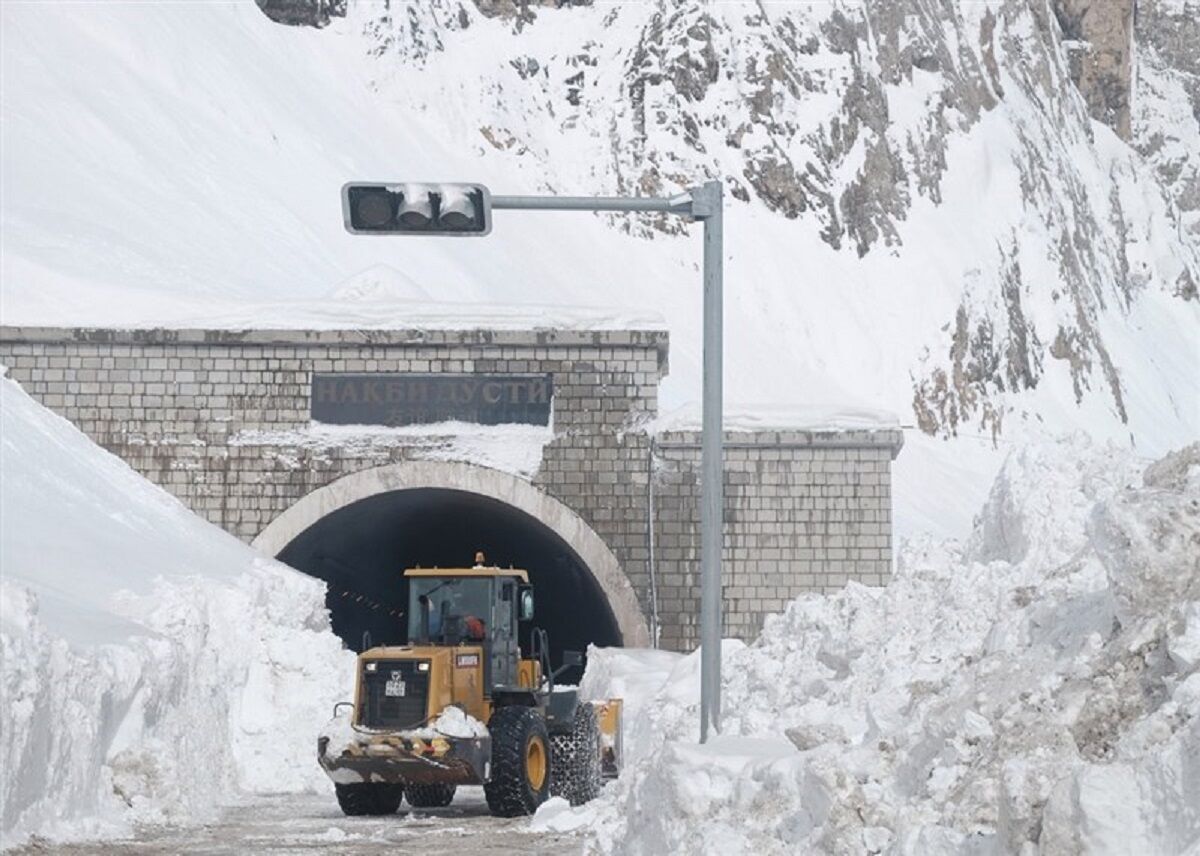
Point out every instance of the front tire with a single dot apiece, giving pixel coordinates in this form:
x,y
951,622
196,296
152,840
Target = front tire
x,y
520,779
429,796
369,798
575,758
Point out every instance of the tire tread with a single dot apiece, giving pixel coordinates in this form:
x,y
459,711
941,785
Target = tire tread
x,y
509,793
429,796
575,770
369,798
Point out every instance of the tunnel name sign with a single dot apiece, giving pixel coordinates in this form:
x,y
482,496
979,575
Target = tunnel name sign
x,y
413,399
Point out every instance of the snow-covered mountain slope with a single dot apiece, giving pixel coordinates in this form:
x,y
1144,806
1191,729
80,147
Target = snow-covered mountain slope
x,y
152,666
939,155
922,216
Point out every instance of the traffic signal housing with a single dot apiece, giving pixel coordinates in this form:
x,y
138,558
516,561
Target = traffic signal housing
x,y
416,209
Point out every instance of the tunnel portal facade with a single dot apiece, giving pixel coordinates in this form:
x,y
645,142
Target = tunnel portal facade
x,y
352,454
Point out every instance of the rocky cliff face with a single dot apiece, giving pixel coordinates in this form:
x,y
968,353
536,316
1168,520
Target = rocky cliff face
x,y
1098,40
866,123
1166,114
1137,65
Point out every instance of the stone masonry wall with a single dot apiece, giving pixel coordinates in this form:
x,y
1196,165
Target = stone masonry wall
x,y
803,511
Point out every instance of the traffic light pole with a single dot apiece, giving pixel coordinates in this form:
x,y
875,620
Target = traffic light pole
x,y
703,203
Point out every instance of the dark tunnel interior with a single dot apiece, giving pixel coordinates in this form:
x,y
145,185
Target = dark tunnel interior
x,y
361,551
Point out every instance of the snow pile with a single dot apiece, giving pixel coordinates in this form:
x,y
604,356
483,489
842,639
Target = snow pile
x,y
340,734
455,722
1038,688
153,666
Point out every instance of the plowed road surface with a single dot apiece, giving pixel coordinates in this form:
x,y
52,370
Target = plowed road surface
x,y
310,824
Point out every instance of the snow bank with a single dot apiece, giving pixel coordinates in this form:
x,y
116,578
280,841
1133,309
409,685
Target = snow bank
x,y
1036,690
153,666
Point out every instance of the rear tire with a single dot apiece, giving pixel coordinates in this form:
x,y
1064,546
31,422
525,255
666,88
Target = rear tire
x,y
520,779
429,796
369,798
575,772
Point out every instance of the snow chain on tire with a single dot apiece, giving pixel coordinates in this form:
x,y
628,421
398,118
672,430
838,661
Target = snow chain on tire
x,y
575,772
373,799
519,739
429,796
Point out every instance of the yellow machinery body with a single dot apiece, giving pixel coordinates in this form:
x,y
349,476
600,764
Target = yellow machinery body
x,y
394,734
455,676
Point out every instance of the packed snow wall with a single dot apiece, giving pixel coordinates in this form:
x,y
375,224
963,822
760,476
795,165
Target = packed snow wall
x,y
152,665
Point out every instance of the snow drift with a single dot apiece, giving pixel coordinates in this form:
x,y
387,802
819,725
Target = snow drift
x,y
153,666
1037,688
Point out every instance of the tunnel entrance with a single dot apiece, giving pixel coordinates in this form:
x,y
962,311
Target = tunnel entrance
x,y
362,549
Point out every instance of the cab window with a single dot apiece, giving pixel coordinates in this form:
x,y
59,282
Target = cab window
x,y
448,610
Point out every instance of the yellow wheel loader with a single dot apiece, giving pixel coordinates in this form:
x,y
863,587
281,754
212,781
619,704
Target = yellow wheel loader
x,y
461,705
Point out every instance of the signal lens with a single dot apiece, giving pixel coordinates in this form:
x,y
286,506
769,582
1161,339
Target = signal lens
x,y
416,211
457,208
373,209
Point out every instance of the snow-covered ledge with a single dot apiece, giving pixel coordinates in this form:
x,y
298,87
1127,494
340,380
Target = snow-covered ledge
x,y
509,489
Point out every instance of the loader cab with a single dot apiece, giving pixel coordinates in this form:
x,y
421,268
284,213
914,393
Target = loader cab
x,y
480,606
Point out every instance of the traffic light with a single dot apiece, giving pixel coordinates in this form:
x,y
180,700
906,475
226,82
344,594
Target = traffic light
x,y
417,209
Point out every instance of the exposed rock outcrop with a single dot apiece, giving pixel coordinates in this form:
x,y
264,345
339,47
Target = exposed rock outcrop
x,y
303,13
1098,37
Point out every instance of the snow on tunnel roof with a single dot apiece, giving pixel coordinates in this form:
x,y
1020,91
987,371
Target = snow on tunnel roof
x,y
756,418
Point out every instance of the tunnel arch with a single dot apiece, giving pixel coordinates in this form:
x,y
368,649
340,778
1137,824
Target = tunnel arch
x,y
443,480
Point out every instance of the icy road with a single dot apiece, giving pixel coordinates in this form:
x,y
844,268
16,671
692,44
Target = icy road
x,y
295,824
